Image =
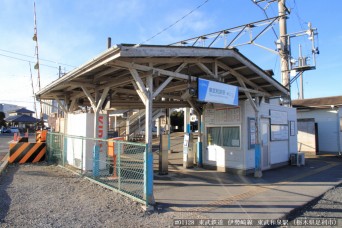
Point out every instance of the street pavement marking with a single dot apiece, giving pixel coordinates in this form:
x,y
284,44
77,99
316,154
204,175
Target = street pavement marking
x,y
253,191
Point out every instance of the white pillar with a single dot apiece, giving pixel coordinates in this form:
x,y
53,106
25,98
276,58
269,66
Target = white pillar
x,y
158,126
115,122
127,126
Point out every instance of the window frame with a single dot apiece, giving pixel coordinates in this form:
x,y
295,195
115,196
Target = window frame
x,y
221,135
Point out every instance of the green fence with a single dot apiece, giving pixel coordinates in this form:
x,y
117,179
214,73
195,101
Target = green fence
x,y
117,164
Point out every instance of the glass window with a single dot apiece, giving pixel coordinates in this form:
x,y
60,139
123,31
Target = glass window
x,y
214,136
231,136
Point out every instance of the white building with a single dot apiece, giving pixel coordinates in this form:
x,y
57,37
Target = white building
x,y
319,124
230,136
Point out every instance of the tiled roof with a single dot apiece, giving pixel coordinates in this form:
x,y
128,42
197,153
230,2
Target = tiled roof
x,y
22,119
22,110
321,102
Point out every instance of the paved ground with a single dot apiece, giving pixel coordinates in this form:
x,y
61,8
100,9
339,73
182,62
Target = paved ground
x,y
221,195
4,139
198,193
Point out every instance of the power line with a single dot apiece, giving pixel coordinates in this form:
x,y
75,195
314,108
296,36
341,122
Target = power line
x,y
47,60
25,60
300,20
264,11
173,24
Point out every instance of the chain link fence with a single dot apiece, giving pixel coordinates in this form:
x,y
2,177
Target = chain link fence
x,y
116,164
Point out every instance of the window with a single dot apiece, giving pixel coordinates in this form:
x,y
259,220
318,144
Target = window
x,y
231,136
214,136
224,136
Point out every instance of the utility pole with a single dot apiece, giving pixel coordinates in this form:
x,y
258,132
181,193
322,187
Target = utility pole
x,y
284,45
36,66
301,85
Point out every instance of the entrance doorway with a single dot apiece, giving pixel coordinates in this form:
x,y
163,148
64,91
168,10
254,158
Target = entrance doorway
x,y
265,156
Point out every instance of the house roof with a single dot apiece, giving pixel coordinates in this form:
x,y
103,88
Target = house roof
x,y
22,110
22,119
178,66
321,102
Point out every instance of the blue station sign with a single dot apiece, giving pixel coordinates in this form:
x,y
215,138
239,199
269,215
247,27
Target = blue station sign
x,y
216,92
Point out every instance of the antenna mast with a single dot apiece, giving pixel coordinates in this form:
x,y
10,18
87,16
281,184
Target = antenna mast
x,y
34,100
36,66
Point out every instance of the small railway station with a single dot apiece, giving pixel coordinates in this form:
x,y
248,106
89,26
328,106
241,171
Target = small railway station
x,y
244,126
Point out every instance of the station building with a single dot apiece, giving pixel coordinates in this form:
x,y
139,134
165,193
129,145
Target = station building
x,y
245,125
319,124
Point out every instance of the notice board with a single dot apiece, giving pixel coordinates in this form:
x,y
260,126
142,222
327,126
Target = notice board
x,y
278,117
220,116
279,132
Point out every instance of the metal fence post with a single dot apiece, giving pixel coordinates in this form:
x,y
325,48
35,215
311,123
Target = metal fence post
x,y
82,162
119,164
96,156
148,175
65,149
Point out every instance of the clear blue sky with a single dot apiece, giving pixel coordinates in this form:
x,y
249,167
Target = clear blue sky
x,y
73,32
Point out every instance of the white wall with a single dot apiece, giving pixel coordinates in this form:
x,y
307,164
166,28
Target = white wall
x,y
306,135
279,150
220,156
242,157
83,125
327,127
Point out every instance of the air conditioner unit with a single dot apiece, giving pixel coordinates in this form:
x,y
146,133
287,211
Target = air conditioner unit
x,y
293,159
301,158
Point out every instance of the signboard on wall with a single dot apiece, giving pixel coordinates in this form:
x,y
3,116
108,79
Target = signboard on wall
x,y
221,116
101,132
216,92
279,132
278,117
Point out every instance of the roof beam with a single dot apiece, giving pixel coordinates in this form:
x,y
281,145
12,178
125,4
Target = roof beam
x,y
143,96
239,76
138,81
80,84
206,70
90,98
102,98
104,73
169,60
167,81
149,68
61,105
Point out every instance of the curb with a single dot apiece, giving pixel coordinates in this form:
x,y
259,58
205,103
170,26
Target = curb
x,y
4,163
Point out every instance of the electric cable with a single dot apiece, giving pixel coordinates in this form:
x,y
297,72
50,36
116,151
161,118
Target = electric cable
x,y
47,60
274,32
173,24
25,60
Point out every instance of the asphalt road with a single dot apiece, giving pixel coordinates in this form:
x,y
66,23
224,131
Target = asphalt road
x,y
4,139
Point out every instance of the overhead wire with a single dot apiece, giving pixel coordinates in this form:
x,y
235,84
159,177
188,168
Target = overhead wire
x,y
264,11
173,24
296,11
47,60
25,60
